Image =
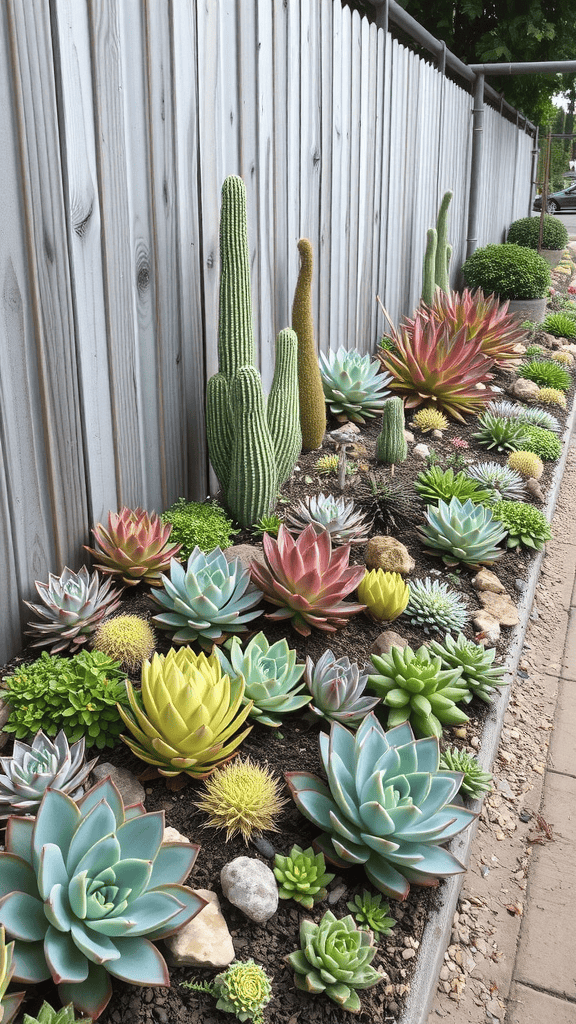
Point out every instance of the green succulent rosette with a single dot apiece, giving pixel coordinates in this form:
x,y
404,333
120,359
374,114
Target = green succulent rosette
x,y
271,677
302,876
475,781
370,912
48,1015
335,958
479,674
243,989
84,889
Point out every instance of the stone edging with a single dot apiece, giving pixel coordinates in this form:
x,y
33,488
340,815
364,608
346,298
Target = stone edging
x,y
436,937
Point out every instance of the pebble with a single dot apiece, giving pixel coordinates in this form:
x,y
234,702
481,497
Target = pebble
x,y
336,894
408,954
520,585
263,847
421,451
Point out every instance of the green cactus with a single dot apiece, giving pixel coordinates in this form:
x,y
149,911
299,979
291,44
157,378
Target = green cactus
x,y
253,445
312,404
391,446
437,255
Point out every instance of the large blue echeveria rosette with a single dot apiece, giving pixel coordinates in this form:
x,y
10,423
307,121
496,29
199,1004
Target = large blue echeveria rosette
x,y
85,887
386,806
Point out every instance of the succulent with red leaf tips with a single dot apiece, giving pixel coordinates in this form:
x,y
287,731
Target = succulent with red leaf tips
x,y
307,580
135,546
485,319
430,363
73,606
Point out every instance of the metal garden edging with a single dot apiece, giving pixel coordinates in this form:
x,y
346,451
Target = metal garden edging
x,y
435,939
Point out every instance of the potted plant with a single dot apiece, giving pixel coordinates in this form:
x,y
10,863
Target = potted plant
x,y
526,232
514,273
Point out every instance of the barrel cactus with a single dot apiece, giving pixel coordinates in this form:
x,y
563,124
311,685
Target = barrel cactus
x,y
253,444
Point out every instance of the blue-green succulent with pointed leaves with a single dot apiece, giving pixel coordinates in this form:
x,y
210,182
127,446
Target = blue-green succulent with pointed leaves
x,y
271,677
85,887
353,384
208,600
462,534
334,958
386,806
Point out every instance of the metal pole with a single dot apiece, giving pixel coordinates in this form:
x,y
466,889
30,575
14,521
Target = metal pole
x,y
476,165
534,171
545,189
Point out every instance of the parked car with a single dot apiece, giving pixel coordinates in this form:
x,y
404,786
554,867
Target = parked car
x,y
564,201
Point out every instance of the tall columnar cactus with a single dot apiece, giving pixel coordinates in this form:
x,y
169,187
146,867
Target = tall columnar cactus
x,y
391,447
312,404
253,445
437,255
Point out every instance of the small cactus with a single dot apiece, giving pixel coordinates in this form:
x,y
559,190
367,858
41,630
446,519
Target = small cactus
x,y
391,446
437,255
552,396
564,358
128,639
429,419
527,464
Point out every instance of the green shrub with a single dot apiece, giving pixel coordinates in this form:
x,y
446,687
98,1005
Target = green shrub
x,y
526,232
510,271
78,695
202,524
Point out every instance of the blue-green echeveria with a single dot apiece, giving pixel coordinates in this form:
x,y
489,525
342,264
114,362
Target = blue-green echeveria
x,y
386,806
85,887
271,677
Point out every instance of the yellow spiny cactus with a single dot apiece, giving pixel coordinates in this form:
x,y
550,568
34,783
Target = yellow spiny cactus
x,y
527,464
552,396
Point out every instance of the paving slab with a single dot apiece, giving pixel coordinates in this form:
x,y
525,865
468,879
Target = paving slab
x,y
559,567
562,755
528,1006
569,659
548,934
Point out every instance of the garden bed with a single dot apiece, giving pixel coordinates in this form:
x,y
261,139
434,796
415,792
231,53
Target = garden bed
x,y
410,956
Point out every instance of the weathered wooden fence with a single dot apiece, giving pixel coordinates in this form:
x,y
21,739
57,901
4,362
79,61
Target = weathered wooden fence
x,y
119,120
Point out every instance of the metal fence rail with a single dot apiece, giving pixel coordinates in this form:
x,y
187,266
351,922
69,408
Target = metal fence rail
x,y
119,121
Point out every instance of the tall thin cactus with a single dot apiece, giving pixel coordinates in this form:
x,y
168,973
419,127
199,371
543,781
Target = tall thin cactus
x,y
253,445
437,256
312,402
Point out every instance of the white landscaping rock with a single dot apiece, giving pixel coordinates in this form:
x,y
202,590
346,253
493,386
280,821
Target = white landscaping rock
x,y
205,941
251,886
421,451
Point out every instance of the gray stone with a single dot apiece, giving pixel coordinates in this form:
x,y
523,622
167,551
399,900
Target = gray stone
x,y
520,585
130,789
336,894
245,552
421,451
534,489
385,641
205,941
388,554
263,847
251,886
525,390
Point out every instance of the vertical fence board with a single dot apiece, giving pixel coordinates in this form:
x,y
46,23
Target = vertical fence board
x,y
269,325
322,261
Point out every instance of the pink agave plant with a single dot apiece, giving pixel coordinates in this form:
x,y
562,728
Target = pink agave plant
x,y
307,580
135,546
485,318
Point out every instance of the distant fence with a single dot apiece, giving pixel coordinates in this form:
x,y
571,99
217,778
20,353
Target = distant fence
x,y
119,120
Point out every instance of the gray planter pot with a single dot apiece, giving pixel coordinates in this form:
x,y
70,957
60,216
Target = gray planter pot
x,y
529,309
552,256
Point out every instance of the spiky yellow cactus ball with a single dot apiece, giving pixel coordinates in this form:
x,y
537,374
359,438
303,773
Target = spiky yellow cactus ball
x,y
242,797
565,358
527,464
552,396
429,419
128,639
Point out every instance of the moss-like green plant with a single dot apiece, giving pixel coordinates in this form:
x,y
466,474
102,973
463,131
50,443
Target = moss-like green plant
x,y
526,524
202,524
528,464
534,350
475,781
541,442
552,396
243,989
243,797
428,419
371,913
302,876
310,389
79,695
128,639
546,374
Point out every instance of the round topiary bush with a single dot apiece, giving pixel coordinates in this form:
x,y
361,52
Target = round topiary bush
x,y
526,232
510,271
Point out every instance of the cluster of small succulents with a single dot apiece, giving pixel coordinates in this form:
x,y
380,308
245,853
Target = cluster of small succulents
x,y
198,524
525,524
434,607
543,443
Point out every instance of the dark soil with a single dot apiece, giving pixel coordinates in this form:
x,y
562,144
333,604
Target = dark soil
x,y
293,747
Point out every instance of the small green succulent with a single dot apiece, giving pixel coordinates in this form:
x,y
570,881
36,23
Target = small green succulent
x,y
195,523
433,606
500,433
271,676
479,674
370,912
534,350
302,876
525,524
546,374
353,384
48,1015
334,958
78,694
435,484
475,781
267,524
243,989
416,689
561,325
542,442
